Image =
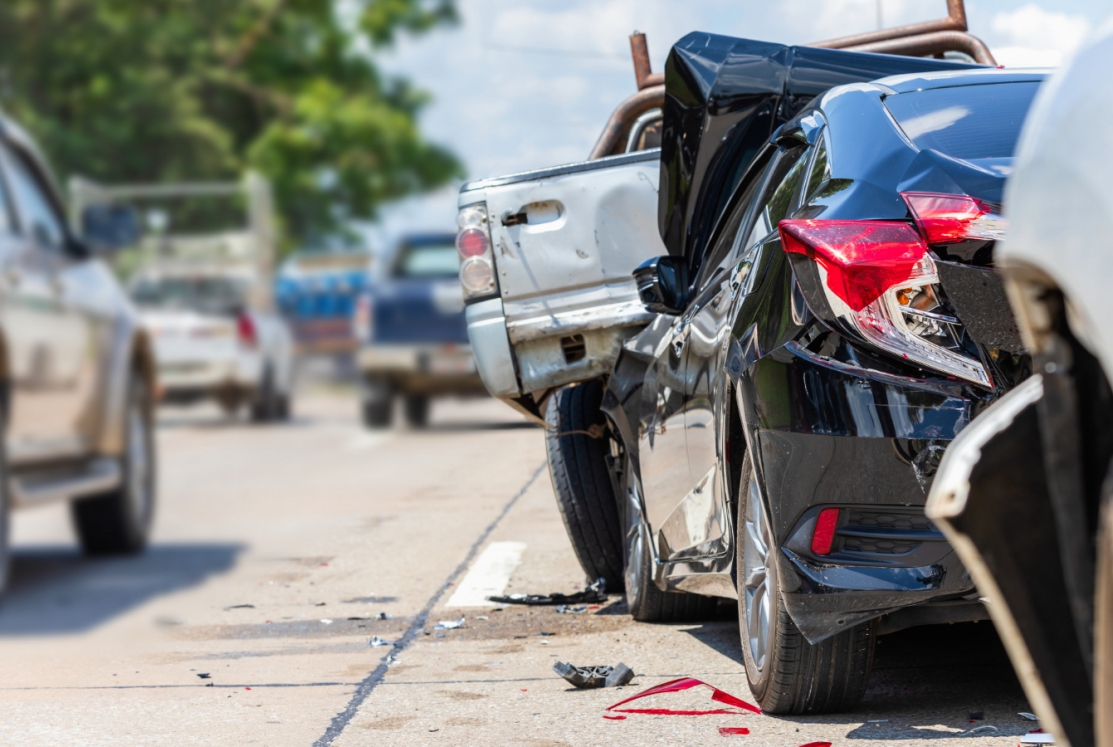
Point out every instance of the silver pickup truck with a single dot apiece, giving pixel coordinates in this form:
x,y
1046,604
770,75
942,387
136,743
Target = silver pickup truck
x,y
547,256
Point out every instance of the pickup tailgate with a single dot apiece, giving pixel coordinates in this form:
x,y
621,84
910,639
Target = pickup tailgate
x,y
564,243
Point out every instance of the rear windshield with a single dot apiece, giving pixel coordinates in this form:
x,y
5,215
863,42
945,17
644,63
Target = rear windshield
x,y
209,294
967,122
428,261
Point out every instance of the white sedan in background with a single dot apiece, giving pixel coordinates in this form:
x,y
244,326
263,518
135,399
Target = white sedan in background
x,y
210,343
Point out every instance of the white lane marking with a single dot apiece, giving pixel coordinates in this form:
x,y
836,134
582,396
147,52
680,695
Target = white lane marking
x,y
489,575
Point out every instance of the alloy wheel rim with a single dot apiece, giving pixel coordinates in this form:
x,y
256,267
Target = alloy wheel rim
x,y
758,585
635,548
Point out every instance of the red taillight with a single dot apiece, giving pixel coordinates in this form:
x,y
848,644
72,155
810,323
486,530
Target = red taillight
x,y
471,242
949,219
824,536
245,330
862,258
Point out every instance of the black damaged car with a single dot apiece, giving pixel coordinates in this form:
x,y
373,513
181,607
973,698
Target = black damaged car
x,y
828,321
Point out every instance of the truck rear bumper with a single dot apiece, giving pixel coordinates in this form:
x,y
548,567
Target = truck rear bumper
x,y
422,368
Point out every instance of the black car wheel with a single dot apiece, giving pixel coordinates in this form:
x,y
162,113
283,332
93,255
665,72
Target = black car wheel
x,y
377,403
120,521
576,443
787,674
416,409
265,408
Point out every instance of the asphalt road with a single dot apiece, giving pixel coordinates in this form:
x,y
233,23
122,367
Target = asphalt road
x,y
249,619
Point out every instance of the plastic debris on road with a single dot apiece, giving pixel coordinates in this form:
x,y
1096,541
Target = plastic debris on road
x,y
240,607
326,621
376,642
449,624
204,675
564,609
382,616
596,592
598,676
1028,716
737,706
730,731
983,729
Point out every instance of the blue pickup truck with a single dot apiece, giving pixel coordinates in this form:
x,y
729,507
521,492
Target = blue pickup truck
x,y
411,333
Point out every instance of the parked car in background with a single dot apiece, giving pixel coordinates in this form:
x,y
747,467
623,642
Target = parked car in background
x,y
824,322
1025,493
76,366
316,291
211,342
413,342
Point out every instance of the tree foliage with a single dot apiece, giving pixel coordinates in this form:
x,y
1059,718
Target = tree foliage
x,y
165,90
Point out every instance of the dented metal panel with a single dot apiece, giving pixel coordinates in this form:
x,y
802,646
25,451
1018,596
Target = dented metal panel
x,y
565,244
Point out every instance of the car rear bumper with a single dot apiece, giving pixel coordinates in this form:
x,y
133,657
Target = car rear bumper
x,y
868,443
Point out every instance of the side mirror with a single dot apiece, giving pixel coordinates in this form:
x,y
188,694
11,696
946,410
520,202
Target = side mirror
x,y
108,228
663,284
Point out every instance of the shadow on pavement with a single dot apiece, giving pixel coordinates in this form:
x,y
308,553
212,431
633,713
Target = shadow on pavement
x,y
55,589
926,682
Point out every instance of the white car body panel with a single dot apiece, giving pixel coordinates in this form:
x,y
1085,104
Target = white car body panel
x,y
1060,200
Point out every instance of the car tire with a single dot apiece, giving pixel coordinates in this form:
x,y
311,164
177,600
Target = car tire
x,y
582,481
377,403
265,408
120,522
285,409
1103,622
788,675
416,409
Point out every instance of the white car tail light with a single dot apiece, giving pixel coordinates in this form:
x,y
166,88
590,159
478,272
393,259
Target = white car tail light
x,y
879,279
473,242
246,331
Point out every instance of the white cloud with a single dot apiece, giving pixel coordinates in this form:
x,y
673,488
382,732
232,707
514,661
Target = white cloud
x,y
1032,36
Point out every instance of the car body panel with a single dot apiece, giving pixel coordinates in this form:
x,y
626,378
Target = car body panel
x,y
71,346
724,98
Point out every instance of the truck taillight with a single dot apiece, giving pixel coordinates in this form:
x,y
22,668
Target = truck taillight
x,y
879,279
473,242
361,319
246,331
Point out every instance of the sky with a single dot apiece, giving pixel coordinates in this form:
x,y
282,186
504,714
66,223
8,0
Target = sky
x,y
525,84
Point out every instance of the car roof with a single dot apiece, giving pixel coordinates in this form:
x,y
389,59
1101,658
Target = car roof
x,y
953,78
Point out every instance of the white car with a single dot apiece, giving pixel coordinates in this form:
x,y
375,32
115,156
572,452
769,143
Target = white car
x,y
1025,493
210,343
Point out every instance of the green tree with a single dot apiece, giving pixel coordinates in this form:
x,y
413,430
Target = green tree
x,y
164,90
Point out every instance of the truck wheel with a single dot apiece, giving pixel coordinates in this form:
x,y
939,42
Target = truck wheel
x,y
265,407
1103,623
416,409
120,521
787,674
377,403
581,480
